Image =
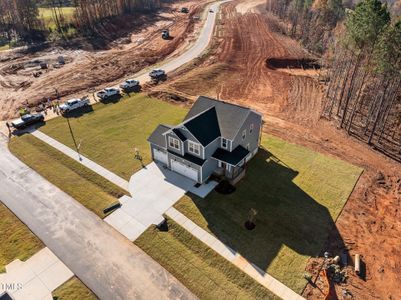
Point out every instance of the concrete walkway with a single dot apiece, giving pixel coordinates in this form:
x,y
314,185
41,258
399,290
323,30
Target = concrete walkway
x,y
234,257
117,180
36,278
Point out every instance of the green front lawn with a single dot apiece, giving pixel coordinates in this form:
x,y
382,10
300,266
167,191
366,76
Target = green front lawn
x,y
207,274
73,289
16,240
298,194
111,132
84,185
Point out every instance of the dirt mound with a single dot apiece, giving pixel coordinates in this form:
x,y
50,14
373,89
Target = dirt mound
x,y
235,69
293,63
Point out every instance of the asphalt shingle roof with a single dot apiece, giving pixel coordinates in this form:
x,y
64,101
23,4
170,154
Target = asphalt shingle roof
x,y
204,127
230,117
179,134
157,136
233,158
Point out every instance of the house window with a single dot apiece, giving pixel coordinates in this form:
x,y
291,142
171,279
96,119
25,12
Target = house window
x,y
223,143
250,128
244,134
194,148
173,143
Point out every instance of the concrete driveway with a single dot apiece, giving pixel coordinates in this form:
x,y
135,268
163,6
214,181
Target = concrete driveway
x,y
154,190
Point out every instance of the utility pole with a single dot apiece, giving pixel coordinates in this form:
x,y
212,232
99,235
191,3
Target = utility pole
x,y
73,139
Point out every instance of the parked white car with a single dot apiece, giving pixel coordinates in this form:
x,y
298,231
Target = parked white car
x,y
108,92
129,84
73,104
157,73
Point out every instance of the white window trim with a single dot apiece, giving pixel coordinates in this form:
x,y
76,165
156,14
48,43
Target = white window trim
x,y
222,143
173,140
244,134
194,145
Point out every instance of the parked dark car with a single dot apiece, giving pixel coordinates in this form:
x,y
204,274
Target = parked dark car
x,y
27,120
185,10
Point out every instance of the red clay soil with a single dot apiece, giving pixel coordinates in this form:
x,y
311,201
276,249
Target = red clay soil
x,y
94,69
235,70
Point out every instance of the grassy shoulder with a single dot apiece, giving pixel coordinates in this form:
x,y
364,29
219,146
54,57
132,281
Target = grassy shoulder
x,y
84,185
199,268
110,132
16,240
297,193
73,289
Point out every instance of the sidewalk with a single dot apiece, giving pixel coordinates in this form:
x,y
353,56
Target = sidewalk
x,y
234,257
83,160
36,278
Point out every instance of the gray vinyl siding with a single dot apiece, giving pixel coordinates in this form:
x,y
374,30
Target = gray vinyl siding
x,y
212,147
253,138
208,168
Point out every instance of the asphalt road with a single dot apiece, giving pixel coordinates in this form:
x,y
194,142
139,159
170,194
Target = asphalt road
x,y
110,265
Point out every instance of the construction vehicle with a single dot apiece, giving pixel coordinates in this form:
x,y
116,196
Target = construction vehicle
x,y
165,34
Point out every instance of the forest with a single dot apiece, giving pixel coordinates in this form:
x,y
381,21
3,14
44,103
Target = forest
x,y
360,49
21,21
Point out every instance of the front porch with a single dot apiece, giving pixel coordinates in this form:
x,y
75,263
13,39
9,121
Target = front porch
x,y
233,174
231,165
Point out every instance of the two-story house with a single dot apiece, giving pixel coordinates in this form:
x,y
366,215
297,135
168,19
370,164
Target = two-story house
x,y
215,137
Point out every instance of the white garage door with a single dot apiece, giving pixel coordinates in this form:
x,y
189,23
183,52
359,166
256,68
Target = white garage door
x,y
160,156
184,170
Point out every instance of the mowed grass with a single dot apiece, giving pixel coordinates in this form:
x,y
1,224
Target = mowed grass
x,y
298,194
84,185
73,289
16,240
199,268
111,132
46,14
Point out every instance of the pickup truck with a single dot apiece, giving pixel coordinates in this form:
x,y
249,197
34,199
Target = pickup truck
x,y
108,92
73,104
129,84
27,120
157,74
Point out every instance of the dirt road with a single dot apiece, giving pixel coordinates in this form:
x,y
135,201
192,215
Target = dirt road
x,y
86,68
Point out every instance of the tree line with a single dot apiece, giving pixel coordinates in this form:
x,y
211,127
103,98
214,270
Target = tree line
x,y
362,51
20,19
